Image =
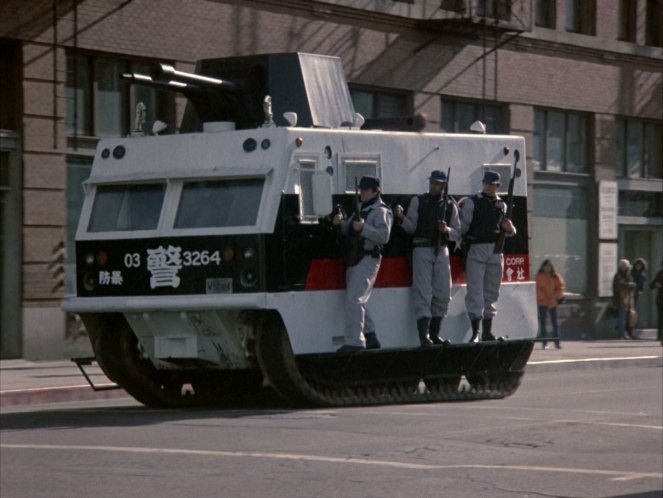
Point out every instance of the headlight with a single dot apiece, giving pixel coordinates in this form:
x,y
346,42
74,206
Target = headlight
x,y
248,278
89,281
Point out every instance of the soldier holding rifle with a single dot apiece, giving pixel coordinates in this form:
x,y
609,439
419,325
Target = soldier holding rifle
x,y
433,219
368,229
485,223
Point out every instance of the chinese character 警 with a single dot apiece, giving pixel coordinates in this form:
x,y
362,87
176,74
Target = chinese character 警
x,y
163,264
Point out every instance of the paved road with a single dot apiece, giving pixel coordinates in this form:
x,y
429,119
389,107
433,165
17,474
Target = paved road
x,y
593,432
25,382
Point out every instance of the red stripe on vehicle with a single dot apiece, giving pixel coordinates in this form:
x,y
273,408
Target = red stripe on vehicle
x,y
329,274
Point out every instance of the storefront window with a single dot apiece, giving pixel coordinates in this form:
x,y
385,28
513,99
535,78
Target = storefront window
x,y
560,233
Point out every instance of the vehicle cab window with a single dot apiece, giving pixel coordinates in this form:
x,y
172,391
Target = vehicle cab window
x,y
126,207
219,203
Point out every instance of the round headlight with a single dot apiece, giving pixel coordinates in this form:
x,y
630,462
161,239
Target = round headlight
x,y
248,278
249,252
89,281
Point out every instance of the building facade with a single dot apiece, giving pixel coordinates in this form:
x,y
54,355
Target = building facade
x,y
581,80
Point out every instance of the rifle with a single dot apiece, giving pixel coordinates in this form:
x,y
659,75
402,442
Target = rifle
x,y
445,199
356,245
499,244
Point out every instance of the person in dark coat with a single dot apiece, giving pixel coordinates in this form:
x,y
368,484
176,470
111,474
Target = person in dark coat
x,y
657,284
623,297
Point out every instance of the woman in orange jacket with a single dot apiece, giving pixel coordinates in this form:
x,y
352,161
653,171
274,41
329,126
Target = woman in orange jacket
x,y
549,293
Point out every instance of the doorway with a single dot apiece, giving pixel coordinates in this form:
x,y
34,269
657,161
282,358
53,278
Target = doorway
x,y
10,247
646,243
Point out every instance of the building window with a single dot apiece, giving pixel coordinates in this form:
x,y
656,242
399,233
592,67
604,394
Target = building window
x,y
654,27
561,141
381,103
545,13
458,116
637,203
99,104
627,18
495,9
639,148
78,170
560,232
581,16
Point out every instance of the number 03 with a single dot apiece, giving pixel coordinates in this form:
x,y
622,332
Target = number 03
x,y
132,260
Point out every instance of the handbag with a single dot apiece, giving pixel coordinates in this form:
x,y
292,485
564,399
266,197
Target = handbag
x,y
632,318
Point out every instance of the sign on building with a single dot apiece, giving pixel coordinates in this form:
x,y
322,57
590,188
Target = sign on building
x,y
608,193
607,267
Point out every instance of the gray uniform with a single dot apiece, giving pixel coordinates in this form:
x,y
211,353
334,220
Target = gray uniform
x,y
431,274
360,278
483,269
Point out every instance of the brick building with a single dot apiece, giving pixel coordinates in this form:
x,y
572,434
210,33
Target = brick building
x,y
582,80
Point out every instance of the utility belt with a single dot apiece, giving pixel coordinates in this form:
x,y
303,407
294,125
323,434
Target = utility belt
x,y
374,253
482,240
423,243
351,258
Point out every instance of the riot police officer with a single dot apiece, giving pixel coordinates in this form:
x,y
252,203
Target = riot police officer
x,y
432,224
370,230
482,216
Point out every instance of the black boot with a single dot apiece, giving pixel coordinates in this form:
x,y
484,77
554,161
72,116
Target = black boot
x,y
475,330
422,328
486,334
372,340
434,330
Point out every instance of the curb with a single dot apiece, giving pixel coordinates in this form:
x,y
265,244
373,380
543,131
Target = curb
x,y
40,395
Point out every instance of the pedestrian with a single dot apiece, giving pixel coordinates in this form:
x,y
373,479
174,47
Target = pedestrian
x,y
371,227
549,293
482,217
623,291
639,278
657,284
432,219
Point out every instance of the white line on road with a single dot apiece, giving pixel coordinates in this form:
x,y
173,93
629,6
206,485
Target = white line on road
x,y
589,360
612,474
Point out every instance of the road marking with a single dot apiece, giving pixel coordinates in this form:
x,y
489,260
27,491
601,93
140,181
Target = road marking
x,y
614,475
589,360
616,424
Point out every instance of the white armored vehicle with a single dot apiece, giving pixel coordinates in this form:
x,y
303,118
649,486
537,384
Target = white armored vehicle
x,y
208,270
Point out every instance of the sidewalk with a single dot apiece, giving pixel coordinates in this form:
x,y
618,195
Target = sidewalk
x,y
24,382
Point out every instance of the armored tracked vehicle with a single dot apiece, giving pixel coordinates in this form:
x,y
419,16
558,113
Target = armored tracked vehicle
x,y
208,270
